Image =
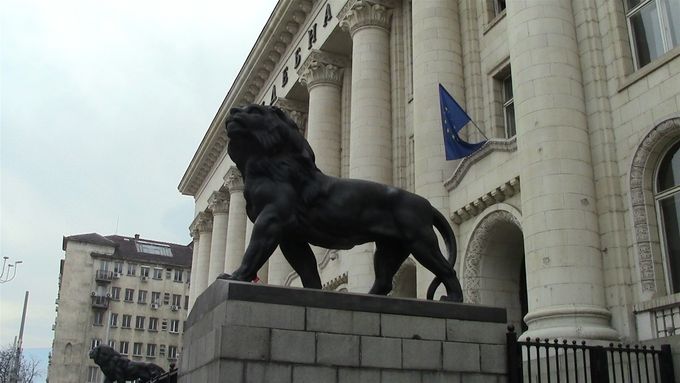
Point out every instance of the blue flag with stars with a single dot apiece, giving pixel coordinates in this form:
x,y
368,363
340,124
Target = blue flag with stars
x,y
454,119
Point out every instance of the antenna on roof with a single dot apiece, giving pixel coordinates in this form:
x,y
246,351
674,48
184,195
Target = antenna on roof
x,y
117,219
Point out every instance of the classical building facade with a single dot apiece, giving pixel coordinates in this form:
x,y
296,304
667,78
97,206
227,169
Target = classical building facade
x,y
127,292
568,216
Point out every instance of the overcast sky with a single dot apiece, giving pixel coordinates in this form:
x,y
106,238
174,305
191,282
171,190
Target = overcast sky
x,y
102,106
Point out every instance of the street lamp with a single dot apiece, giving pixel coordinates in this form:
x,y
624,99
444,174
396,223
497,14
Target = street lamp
x,y
7,274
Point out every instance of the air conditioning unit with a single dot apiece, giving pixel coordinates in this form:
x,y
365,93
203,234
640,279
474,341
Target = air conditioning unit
x,y
154,306
144,278
174,308
116,275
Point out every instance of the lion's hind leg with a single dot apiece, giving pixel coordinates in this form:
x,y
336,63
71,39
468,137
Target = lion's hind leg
x,y
426,251
387,259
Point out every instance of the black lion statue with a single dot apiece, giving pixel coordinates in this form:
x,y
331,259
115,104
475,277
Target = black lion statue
x,y
117,368
293,204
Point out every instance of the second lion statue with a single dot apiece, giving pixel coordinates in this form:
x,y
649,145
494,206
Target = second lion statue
x,y
294,205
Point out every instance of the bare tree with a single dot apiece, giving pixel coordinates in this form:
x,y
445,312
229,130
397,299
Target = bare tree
x,y
29,369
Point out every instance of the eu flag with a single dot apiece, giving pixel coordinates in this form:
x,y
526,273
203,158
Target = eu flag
x,y
454,119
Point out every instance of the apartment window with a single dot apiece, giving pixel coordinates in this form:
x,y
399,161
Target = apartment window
x,y
144,271
174,326
123,347
153,324
509,108
177,300
104,265
113,322
157,273
94,343
188,276
667,198
137,349
125,322
161,350
112,343
141,297
178,275
98,318
166,298
186,302
172,352
156,297
168,274
92,374
151,350
164,325
654,27
115,293
153,248
118,267
139,322
132,269
129,295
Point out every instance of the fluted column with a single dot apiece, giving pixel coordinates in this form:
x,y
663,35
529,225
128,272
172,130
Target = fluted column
x,y
436,26
193,230
322,73
236,230
204,227
219,205
562,247
370,156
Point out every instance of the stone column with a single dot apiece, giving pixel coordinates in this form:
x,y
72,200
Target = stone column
x,y
219,205
193,230
205,224
236,231
370,156
437,58
559,218
322,73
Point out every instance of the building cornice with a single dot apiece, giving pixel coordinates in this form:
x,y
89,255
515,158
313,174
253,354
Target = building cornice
x,y
284,23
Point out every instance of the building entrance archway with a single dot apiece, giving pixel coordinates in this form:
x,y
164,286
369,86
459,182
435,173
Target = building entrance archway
x,y
494,269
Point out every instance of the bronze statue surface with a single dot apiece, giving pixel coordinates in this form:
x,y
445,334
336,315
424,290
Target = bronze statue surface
x,y
293,204
117,368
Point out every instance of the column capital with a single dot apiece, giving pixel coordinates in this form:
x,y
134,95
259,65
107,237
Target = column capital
x,y
295,109
233,180
205,222
218,202
357,14
322,68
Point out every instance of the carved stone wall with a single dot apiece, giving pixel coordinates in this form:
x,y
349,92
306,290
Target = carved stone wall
x,y
642,172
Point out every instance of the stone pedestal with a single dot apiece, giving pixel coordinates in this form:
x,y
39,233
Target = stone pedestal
x,y
240,332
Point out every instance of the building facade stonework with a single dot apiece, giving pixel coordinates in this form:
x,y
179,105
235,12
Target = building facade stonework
x,y
126,292
568,216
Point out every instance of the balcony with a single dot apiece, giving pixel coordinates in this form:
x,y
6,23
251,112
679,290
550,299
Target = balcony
x,y
103,276
100,302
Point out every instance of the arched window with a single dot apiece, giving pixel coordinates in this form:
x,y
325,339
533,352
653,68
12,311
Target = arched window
x,y
667,196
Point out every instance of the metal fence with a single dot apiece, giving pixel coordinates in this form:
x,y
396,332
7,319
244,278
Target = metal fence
x,y
168,377
552,361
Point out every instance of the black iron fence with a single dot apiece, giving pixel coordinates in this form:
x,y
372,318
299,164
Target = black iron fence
x,y
168,377
552,361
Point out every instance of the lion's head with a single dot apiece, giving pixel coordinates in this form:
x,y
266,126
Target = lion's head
x,y
264,131
103,354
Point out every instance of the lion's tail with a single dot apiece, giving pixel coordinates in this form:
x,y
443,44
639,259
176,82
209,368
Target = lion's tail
x,y
442,225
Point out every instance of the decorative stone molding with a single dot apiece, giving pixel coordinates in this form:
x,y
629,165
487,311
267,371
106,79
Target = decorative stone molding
x,y
357,14
205,222
296,110
233,180
493,145
218,202
322,68
640,169
328,256
475,250
474,208
336,282
193,228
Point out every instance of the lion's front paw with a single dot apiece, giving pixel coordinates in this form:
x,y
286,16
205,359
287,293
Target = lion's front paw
x,y
226,276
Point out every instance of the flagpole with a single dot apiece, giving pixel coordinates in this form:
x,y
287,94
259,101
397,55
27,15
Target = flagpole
x,y
480,130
